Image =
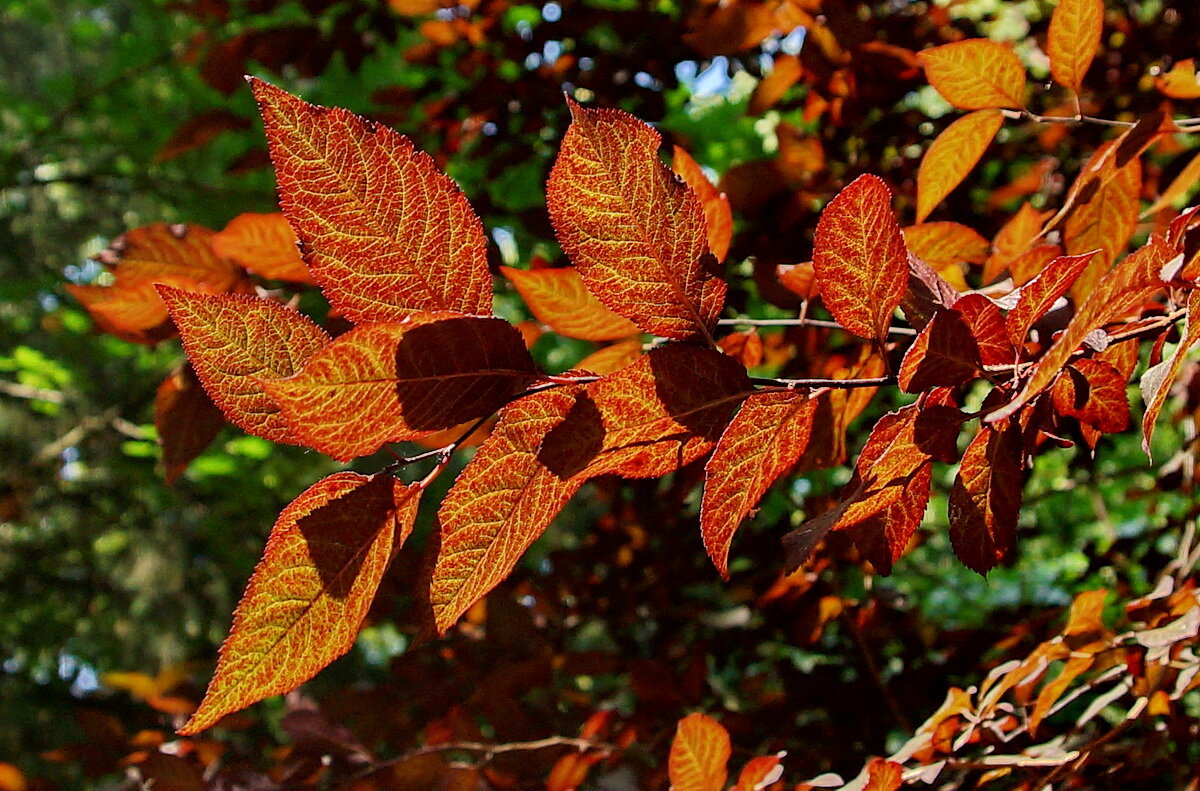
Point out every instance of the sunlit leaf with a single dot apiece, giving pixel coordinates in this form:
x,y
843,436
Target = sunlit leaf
x,y
559,299
1182,81
952,155
718,217
634,230
1073,39
265,244
382,383
760,773
976,74
1157,380
1014,238
1105,221
986,498
611,358
699,755
1094,392
310,592
860,259
982,316
360,197
1039,294
235,343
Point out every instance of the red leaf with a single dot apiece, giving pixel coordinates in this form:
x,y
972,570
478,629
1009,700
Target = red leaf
x,y
952,155
860,258
1156,381
882,537
310,592
236,342
1074,37
760,773
976,74
718,216
636,232
186,420
983,318
265,244
198,131
506,497
986,498
1094,392
699,754
382,383
360,197
559,299
944,354
765,439
1039,294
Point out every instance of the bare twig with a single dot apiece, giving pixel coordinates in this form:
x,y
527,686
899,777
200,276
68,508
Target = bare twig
x,y
803,321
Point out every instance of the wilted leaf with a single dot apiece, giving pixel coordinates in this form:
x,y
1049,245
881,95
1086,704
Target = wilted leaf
x,y
390,382
1074,37
1039,294
699,754
765,439
505,498
952,155
1181,82
976,74
860,259
360,197
265,244
944,354
559,299
986,498
186,420
718,216
1157,380
235,343
310,592
634,230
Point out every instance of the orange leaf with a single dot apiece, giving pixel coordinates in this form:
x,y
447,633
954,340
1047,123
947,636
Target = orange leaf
x,y
1105,221
382,383
745,347
976,74
1180,186
760,772
718,216
765,439
634,230
1121,292
699,754
310,592
800,279
265,244
986,498
1074,37
1094,392
944,244
1075,666
361,199
952,155
1156,381
186,419
944,354
504,499
235,342
1013,239
559,299
611,358
883,775
1181,82
983,317
786,71
1039,294
860,259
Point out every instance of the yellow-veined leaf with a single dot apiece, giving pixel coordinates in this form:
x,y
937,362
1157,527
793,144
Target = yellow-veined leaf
x,y
718,216
952,155
976,74
560,300
265,244
699,755
1074,37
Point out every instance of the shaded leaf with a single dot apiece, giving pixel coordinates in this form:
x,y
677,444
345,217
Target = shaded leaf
x,y
634,230
186,420
560,300
764,441
976,74
1094,392
198,131
718,216
1039,294
235,343
860,259
265,244
360,196
310,592
390,382
982,316
1074,38
986,498
699,754
943,354
952,155
1156,381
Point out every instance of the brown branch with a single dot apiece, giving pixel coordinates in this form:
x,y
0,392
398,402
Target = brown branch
x,y
804,321
774,385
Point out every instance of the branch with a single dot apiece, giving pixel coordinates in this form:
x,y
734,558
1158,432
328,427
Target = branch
x,y
489,751
793,384
803,321
1064,119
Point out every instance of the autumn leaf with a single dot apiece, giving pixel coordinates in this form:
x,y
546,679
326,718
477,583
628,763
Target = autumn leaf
x,y
976,74
982,316
1073,40
1094,392
1182,185
765,439
186,420
718,216
699,755
310,592
952,155
1105,221
945,246
860,259
560,300
1013,239
1181,82
198,131
634,230
505,498
264,244
746,347
611,358
360,197
1157,380
944,354
760,773
235,343
397,381
986,498
1039,294
883,775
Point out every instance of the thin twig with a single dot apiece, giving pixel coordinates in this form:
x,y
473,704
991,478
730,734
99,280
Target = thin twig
x,y
18,390
793,384
803,322
490,751
1065,119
